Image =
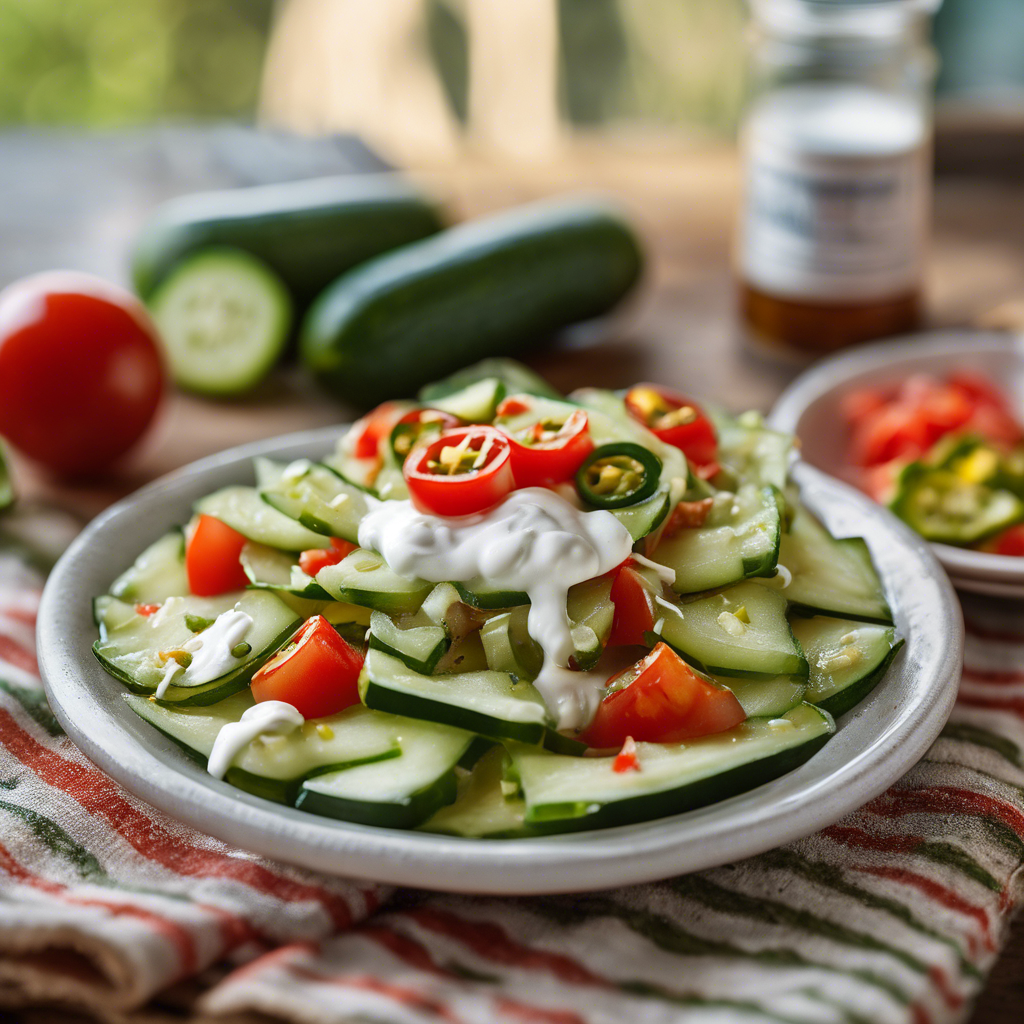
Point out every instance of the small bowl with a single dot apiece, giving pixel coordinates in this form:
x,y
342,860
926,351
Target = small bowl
x,y
810,406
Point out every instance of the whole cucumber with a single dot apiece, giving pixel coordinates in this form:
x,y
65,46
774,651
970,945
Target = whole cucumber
x,y
308,232
494,286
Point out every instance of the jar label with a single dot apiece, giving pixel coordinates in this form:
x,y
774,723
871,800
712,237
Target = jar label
x,y
823,227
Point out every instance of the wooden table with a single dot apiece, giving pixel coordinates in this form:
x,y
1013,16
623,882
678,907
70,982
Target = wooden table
x,y
680,329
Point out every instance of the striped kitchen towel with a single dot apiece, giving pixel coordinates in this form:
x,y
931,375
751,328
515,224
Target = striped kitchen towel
x,y
892,916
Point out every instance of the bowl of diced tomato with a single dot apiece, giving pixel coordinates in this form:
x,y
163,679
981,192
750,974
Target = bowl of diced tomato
x,y
932,427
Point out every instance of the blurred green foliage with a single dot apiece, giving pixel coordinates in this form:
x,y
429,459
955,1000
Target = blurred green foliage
x,y
116,62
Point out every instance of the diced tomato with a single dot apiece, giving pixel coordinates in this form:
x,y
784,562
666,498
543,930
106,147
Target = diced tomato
x,y
512,406
550,453
677,420
211,558
315,559
634,608
372,428
1011,541
626,759
317,673
858,405
707,471
688,515
466,470
665,703
147,609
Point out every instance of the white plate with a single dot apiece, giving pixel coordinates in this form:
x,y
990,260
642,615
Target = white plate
x,y
809,408
876,743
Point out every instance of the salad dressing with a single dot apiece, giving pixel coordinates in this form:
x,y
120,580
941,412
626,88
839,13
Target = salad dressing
x,y
211,652
271,716
534,542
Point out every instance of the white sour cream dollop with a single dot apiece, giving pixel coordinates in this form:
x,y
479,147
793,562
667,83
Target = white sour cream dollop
x,y
271,716
534,541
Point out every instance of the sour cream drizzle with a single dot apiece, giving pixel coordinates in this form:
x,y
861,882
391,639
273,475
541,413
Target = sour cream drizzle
x,y
272,716
535,542
210,650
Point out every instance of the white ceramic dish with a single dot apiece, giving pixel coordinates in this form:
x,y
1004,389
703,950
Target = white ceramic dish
x,y
876,743
809,408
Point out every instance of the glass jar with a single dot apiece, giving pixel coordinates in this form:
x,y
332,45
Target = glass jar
x,y
837,182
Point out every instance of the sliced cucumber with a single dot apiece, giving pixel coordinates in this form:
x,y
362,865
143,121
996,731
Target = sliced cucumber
x,y
767,698
754,454
517,378
244,510
585,792
508,645
401,793
489,703
363,577
591,613
110,613
480,594
741,631
416,640
157,574
739,539
647,515
224,317
130,651
273,767
476,402
847,659
318,498
272,569
268,472
830,576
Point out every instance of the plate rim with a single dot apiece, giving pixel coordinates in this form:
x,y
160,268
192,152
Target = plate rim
x,y
720,833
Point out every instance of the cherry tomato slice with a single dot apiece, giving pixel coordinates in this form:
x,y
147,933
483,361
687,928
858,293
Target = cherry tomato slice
x,y
634,608
317,673
466,470
417,427
211,558
665,703
1010,542
371,429
676,420
81,375
146,609
315,559
547,453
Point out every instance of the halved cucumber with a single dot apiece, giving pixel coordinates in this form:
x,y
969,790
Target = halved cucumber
x,y
224,318
397,794
129,652
318,498
416,640
847,659
767,698
476,402
363,577
271,569
739,539
508,645
274,767
741,631
157,574
830,576
244,510
489,703
585,792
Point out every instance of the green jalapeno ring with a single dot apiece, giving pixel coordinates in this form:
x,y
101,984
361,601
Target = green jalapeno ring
x,y
638,470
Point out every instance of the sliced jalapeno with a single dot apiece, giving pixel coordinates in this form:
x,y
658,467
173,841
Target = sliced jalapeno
x,y
616,475
417,427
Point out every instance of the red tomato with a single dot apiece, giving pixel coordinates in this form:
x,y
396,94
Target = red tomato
x,y
81,374
444,478
626,759
674,419
147,609
1010,542
549,453
665,703
315,559
317,673
634,608
372,428
211,558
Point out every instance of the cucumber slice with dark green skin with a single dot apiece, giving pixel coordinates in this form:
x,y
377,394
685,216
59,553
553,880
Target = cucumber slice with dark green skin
x,y
399,794
739,539
319,499
645,516
476,402
275,770
943,507
480,594
224,318
754,454
487,287
129,651
508,645
489,703
847,659
271,569
364,578
6,487
741,631
157,574
591,613
767,698
830,576
244,510
517,378
416,640
564,793
310,232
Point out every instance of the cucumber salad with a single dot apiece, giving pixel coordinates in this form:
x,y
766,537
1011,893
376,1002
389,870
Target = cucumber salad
x,y
500,612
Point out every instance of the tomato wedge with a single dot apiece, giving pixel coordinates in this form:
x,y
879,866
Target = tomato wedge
x,y
1009,542
549,451
676,420
464,471
211,558
315,559
666,702
634,608
317,673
